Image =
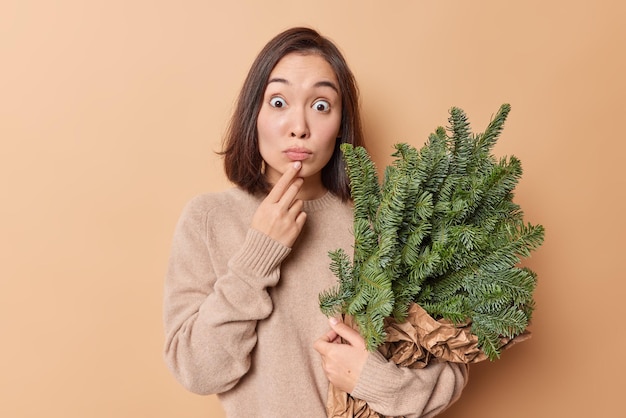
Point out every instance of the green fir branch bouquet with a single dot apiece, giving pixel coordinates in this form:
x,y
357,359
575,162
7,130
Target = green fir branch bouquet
x,y
440,234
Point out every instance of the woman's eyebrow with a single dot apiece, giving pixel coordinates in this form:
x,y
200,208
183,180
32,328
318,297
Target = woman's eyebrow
x,y
326,83
322,83
277,80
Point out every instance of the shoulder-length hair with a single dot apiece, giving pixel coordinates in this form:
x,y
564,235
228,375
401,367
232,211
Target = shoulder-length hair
x,y
242,158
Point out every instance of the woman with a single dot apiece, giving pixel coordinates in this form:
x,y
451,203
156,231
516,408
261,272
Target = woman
x,y
247,264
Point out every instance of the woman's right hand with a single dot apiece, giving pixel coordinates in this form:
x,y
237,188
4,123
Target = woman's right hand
x,y
280,215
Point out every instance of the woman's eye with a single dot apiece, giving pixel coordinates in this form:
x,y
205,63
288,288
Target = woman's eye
x,y
277,102
321,106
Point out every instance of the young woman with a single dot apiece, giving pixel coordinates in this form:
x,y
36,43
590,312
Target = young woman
x,y
247,264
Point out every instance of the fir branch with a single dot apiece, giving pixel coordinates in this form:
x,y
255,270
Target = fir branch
x,y
486,141
332,300
461,147
454,309
363,181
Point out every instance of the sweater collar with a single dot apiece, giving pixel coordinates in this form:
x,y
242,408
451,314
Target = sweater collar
x,y
322,203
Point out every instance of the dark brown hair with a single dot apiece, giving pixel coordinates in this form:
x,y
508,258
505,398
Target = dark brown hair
x,y
242,159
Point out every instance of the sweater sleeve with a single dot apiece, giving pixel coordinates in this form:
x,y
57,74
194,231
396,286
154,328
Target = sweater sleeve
x,y
400,391
210,321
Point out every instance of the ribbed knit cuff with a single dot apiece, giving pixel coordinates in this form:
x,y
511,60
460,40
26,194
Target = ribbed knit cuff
x,y
260,257
379,381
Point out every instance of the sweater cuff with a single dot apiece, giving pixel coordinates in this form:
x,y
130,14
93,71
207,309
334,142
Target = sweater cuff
x,y
260,256
378,383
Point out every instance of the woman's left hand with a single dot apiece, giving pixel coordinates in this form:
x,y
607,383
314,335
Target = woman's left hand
x,y
342,361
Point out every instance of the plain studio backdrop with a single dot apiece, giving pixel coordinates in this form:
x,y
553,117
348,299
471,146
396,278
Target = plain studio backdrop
x,y
110,113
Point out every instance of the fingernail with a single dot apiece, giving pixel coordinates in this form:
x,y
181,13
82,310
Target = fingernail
x,y
297,165
333,321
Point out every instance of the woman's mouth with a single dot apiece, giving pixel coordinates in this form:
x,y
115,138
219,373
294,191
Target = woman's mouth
x,y
297,154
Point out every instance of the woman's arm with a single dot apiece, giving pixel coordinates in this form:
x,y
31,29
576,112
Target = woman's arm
x,y
210,321
399,391
387,388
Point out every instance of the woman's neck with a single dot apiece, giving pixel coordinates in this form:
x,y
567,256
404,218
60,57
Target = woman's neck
x,y
312,190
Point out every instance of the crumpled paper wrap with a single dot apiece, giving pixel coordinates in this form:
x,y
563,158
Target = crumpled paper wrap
x,y
414,344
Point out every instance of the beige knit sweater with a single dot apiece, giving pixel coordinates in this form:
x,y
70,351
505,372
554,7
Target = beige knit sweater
x,y
241,315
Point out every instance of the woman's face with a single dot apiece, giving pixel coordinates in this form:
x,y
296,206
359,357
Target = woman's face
x,y
300,117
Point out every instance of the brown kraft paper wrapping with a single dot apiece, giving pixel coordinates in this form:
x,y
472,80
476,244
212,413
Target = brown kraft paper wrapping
x,y
414,344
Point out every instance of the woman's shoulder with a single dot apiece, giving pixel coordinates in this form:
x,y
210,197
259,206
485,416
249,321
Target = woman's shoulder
x,y
229,200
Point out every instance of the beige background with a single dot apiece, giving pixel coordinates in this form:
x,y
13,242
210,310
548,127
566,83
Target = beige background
x,y
109,115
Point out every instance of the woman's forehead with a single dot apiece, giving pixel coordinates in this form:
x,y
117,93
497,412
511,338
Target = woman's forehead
x,y
300,66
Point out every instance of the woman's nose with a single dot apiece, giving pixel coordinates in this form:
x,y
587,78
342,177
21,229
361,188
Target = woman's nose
x,y
299,125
